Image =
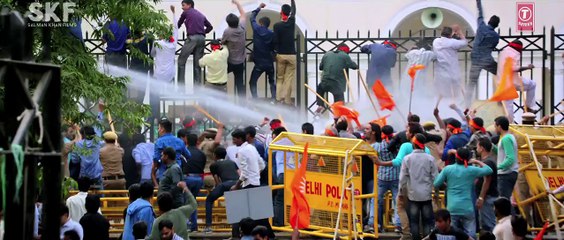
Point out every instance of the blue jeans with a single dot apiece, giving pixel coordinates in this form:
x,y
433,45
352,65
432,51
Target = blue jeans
x,y
466,223
420,210
194,184
255,75
506,183
383,188
216,193
278,219
487,214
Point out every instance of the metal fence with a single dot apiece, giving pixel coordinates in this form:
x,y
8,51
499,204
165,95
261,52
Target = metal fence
x,y
536,50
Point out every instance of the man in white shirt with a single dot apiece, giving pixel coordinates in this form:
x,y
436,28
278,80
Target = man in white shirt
x,y
76,202
420,56
503,229
67,224
164,53
447,70
250,162
522,83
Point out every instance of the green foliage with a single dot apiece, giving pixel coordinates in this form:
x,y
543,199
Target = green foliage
x,y
81,80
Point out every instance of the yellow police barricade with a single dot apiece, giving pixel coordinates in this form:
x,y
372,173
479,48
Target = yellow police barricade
x,y
541,153
333,182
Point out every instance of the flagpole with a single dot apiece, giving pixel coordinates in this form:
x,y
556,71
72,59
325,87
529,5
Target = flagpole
x,y
319,96
410,98
351,99
368,93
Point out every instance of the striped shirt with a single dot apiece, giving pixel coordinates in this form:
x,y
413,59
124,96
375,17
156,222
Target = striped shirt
x,y
386,173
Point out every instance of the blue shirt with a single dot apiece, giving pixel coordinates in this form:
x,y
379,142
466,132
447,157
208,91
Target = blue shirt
x,y
279,161
116,43
485,41
386,173
262,42
139,210
382,60
87,153
454,142
405,149
168,140
460,181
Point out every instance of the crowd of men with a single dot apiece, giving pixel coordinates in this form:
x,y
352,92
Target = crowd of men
x,y
477,169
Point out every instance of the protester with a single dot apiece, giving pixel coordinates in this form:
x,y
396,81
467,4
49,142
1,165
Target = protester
x,y
485,42
448,76
285,48
171,177
503,230
142,43
250,134
225,174
459,178
140,231
388,176
111,157
130,168
444,230
166,227
140,210
177,216
67,224
165,140
234,37
262,53
86,152
486,187
522,83
164,53
143,155
334,64
115,39
247,225
507,165
418,171
477,131
401,138
278,169
71,235
420,55
197,26
95,226
217,67
212,139
260,233
382,60
75,203
307,128
193,171
519,227
456,140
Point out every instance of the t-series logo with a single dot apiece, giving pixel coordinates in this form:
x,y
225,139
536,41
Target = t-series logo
x,y
43,14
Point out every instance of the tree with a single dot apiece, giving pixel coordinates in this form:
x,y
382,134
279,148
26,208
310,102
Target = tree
x,y
80,78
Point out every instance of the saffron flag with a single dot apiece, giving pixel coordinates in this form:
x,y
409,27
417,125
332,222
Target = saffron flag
x,y
384,97
381,121
506,88
541,233
299,211
339,109
412,71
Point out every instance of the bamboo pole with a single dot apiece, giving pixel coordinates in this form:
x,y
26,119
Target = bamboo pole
x,y
199,109
319,96
368,93
348,85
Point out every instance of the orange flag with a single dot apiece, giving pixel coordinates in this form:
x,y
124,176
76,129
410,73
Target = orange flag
x,y
299,211
506,89
381,121
412,71
384,97
339,109
321,162
541,233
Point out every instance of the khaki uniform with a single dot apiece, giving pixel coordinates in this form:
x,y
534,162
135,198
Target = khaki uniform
x,y
208,147
111,157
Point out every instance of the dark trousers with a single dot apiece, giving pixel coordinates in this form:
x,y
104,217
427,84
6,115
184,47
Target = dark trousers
x,y
255,75
216,193
236,232
279,203
116,59
420,210
238,71
195,44
194,184
475,69
322,89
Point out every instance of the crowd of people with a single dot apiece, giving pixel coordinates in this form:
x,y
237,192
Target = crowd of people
x,y
477,169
